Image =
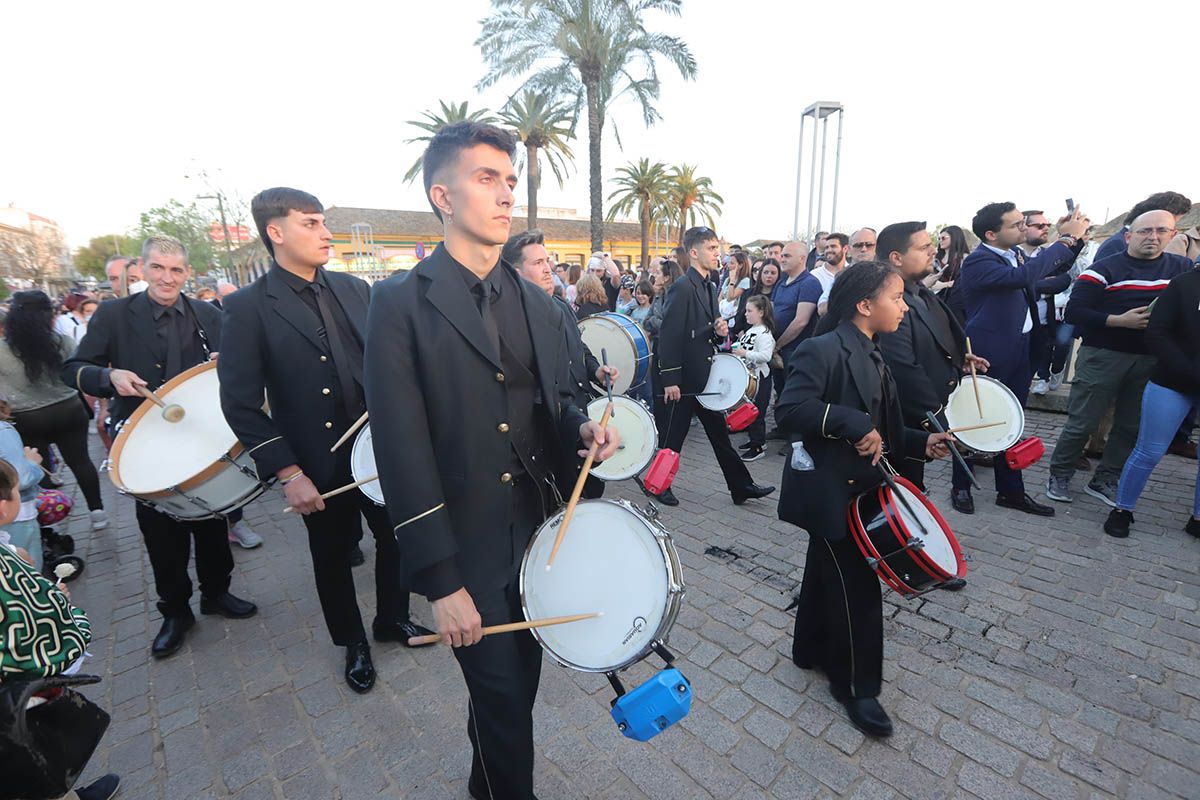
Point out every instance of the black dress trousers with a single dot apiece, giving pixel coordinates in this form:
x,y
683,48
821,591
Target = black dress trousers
x,y
332,535
502,674
839,618
679,422
169,544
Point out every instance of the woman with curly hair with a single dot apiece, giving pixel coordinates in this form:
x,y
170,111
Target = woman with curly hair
x,y
590,297
45,410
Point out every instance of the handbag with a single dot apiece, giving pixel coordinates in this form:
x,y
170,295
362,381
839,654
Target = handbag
x,y
45,748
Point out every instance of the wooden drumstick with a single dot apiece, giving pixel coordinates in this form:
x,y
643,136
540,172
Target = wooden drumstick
x,y
358,423
509,627
975,427
974,377
172,412
341,490
578,490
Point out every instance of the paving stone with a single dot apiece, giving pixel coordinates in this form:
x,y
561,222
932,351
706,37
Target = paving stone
x,y
979,747
768,728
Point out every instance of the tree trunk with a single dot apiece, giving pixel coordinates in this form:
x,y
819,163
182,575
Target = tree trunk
x,y
645,235
531,156
595,189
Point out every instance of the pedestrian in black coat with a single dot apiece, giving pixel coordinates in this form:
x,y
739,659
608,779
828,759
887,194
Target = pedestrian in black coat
x,y
840,405
473,416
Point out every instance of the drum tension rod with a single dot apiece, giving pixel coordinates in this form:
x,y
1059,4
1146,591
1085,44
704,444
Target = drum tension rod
x,y
914,544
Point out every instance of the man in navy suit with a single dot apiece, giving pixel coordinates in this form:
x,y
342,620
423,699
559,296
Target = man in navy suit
x,y
997,284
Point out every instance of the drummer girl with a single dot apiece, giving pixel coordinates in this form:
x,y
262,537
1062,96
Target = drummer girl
x,y
840,409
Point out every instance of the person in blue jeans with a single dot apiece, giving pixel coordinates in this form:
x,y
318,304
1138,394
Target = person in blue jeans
x,y
1172,392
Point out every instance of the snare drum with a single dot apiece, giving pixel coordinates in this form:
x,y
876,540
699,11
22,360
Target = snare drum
x,y
362,464
639,437
908,544
626,344
999,405
191,469
730,384
614,560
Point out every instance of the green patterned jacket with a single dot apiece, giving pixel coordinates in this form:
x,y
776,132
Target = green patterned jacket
x,y
41,633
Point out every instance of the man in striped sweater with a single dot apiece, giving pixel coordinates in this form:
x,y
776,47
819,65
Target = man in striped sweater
x,y
1110,303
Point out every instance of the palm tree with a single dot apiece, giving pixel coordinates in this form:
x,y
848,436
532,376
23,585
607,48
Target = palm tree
x,y
693,197
644,188
588,52
435,121
541,124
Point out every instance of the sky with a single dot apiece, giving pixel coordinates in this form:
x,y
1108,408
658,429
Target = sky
x,y
948,105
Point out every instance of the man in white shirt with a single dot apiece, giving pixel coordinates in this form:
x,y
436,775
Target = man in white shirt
x,y
833,261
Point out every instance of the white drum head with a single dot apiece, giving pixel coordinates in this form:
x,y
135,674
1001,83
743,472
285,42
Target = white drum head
x,y
999,405
157,455
610,562
927,529
728,377
600,333
362,464
639,437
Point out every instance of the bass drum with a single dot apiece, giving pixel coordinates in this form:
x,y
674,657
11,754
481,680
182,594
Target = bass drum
x,y
627,346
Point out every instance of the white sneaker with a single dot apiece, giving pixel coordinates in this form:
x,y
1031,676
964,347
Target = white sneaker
x,y
1039,387
1056,381
243,536
99,519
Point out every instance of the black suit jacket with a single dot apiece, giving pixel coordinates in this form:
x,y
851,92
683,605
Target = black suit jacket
x,y
439,418
277,349
686,338
122,335
925,358
824,403
583,363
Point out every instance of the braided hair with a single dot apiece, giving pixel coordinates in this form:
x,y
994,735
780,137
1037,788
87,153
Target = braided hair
x,y
863,280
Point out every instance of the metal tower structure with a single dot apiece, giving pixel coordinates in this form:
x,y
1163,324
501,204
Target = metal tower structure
x,y
819,111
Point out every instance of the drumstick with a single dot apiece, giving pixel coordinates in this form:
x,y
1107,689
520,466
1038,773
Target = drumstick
x,y
953,450
172,412
974,377
975,427
341,490
509,627
578,490
358,423
900,498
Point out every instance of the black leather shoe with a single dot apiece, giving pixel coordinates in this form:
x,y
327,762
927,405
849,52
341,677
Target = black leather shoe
x,y
357,559
228,606
1193,527
171,635
868,716
399,632
1024,503
667,498
962,501
101,788
360,672
1118,522
751,492
953,585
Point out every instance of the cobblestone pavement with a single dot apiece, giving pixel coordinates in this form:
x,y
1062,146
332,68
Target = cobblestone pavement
x,y
1068,668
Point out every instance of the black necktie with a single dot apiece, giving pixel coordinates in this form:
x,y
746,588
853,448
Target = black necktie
x,y
884,394
340,362
483,300
174,345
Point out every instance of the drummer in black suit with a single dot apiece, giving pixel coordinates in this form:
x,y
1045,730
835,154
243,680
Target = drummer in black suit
x,y
928,353
299,331
691,327
474,417
842,412
144,340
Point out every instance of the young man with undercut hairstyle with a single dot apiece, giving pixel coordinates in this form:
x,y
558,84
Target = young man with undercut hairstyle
x,y
474,419
299,333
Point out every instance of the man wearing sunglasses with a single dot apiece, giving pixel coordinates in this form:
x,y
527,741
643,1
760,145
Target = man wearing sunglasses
x,y
1047,358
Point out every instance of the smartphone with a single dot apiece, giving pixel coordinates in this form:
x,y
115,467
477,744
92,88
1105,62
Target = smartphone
x,y
1070,205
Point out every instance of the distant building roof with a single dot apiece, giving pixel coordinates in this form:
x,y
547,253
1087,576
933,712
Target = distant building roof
x,y
394,222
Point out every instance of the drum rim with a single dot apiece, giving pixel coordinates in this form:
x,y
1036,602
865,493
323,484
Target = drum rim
x,y
882,568
203,476
1011,396
653,441
675,589
624,330
925,562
